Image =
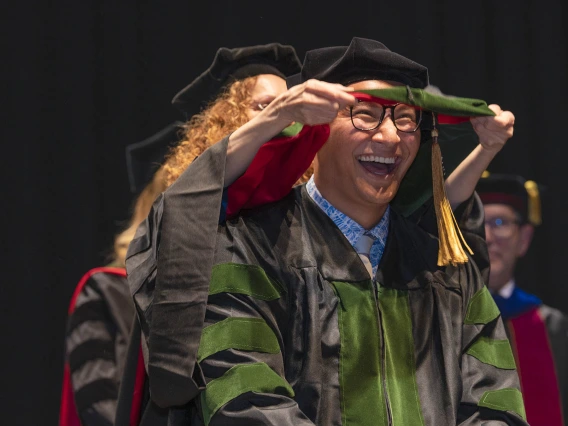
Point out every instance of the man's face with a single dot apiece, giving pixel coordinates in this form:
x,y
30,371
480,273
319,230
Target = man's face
x,y
507,240
265,90
358,169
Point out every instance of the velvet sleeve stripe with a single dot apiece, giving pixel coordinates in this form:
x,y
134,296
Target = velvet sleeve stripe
x,y
257,377
504,400
481,309
250,280
247,334
90,311
91,330
99,390
497,353
91,350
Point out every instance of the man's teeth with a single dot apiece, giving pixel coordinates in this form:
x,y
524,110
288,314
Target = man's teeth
x,y
384,160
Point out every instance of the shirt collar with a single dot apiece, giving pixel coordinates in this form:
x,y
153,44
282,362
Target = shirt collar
x,y
351,229
507,290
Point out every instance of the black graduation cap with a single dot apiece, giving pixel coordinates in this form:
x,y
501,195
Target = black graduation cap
x,y
363,59
145,157
235,64
513,190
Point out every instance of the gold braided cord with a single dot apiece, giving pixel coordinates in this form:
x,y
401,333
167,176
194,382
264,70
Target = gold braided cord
x,y
452,242
534,207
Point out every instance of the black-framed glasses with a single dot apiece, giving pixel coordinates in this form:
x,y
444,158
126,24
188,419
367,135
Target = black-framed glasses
x,y
369,116
502,227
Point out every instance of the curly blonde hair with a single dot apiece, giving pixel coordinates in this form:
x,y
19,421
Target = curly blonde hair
x,y
222,116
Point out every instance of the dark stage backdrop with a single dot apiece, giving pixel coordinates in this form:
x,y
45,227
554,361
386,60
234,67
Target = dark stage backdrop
x,y
82,79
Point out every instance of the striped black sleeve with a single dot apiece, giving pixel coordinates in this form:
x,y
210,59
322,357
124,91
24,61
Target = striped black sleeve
x,y
90,347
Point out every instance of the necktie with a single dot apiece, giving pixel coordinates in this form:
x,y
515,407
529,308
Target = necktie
x,y
363,248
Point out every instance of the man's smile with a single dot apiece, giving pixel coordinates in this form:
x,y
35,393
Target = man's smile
x,y
379,166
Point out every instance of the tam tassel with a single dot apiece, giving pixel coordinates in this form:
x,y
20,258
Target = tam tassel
x,y
534,213
452,242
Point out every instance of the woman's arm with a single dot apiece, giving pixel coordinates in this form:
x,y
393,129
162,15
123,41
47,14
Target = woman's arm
x,y
313,102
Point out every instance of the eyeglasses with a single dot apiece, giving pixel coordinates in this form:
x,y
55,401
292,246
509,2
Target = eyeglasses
x,y
501,227
369,116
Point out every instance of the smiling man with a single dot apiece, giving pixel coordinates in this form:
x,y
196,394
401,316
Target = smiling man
x,y
362,164
326,306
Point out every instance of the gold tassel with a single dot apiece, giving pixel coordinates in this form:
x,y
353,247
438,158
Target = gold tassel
x,y
535,215
451,250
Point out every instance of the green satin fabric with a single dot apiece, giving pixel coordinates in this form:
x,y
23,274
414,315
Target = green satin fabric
x,y
400,357
250,280
504,400
362,397
497,353
481,308
247,334
257,377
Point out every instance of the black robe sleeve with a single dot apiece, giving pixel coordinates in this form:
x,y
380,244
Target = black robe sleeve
x,y
165,285
490,384
246,382
97,333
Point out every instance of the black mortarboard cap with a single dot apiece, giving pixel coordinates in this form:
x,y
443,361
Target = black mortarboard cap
x,y
235,64
363,59
513,190
145,157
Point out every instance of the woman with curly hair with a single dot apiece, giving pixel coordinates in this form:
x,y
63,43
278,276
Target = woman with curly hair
x,y
239,84
247,89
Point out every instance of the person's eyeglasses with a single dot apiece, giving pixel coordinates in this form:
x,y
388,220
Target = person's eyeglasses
x,y
369,115
501,227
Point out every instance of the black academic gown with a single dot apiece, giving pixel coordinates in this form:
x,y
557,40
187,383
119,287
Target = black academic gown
x,y
276,320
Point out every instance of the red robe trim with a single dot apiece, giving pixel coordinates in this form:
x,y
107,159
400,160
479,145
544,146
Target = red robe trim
x,y
68,415
138,393
275,169
535,365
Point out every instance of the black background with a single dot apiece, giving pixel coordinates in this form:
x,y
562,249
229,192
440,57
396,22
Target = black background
x,y
82,79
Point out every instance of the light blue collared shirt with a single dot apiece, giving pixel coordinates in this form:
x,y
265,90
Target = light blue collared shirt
x,y
351,229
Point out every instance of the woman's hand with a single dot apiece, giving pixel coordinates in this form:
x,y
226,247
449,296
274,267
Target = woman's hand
x,y
313,102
